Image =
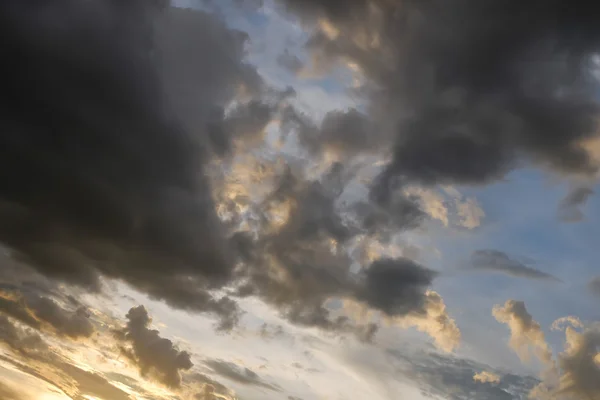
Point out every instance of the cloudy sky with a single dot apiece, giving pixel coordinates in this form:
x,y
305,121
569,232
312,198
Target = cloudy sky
x,y
299,200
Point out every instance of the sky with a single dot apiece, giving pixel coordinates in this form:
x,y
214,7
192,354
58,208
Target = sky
x,y
299,200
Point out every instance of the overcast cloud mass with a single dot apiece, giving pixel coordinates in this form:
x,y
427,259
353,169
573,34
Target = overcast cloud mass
x,y
299,199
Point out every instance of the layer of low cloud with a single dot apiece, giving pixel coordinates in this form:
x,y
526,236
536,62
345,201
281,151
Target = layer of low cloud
x,y
239,374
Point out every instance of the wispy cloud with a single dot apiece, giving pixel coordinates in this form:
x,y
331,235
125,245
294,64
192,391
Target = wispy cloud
x,y
500,262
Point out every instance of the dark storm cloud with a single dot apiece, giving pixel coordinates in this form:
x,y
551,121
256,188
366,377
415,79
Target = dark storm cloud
x,y
396,286
239,374
299,265
498,261
570,207
154,355
472,90
104,118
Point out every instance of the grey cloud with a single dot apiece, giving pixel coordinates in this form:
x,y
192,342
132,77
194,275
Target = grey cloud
x,y
300,264
383,217
244,125
396,286
104,117
498,261
20,340
154,355
594,286
34,311
345,133
239,374
469,99
73,324
570,207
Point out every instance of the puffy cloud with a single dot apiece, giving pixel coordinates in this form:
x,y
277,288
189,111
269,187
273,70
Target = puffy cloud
x,y
436,322
579,364
525,333
563,322
486,377
152,354
578,373
498,261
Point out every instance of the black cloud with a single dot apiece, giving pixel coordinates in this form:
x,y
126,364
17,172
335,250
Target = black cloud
x,y
104,117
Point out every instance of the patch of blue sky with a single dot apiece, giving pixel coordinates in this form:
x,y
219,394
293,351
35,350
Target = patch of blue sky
x,y
521,219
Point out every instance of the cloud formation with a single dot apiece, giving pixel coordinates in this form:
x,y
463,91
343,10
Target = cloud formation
x,y
498,261
580,372
467,101
154,355
107,119
129,143
526,335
